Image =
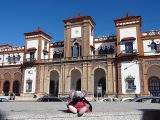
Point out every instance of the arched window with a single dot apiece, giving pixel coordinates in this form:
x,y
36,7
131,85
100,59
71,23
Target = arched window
x,y
18,58
13,59
76,50
153,46
101,51
55,55
9,59
106,50
111,50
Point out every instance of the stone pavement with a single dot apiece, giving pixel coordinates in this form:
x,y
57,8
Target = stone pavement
x,y
101,111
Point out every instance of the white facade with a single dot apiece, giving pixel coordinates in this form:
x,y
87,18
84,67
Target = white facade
x,y
128,32
44,55
31,44
103,44
130,69
30,80
147,47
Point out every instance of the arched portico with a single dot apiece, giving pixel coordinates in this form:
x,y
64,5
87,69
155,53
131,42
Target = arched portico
x,y
53,86
99,80
153,80
16,83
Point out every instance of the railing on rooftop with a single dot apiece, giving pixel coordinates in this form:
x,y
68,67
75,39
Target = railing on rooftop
x,y
94,57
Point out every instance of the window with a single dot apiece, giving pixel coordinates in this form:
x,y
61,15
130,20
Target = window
x,y
106,50
18,58
13,59
44,55
31,56
45,45
107,100
129,84
9,59
129,47
76,50
101,51
28,85
153,46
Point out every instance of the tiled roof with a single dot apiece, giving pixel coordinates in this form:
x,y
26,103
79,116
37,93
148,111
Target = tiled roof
x,y
128,38
31,48
44,50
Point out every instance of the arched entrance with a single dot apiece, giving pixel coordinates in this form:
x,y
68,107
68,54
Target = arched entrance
x,y
154,86
78,84
6,88
153,80
99,80
16,83
102,83
75,76
16,88
53,87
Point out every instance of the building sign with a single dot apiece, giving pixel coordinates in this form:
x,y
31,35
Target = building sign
x,y
151,62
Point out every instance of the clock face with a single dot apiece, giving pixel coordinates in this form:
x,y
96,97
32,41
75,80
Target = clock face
x,y
76,32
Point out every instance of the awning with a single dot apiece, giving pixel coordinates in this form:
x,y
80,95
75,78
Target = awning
x,y
92,46
45,51
31,49
128,38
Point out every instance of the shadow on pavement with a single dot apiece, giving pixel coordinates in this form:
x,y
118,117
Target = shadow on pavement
x,y
65,111
150,114
2,115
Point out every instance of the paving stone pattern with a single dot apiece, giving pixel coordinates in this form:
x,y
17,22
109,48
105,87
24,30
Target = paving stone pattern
x,y
57,111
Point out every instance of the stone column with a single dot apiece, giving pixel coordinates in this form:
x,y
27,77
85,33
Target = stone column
x,y
2,82
119,79
22,82
11,83
109,78
84,77
90,77
145,79
114,78
67,79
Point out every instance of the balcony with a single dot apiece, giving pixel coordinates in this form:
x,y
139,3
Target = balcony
x,y
80,58
29,60
129,52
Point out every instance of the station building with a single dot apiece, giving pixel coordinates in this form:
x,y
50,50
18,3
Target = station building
x,y
124,64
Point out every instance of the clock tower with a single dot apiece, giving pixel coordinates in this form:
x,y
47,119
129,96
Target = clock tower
x,y
78,36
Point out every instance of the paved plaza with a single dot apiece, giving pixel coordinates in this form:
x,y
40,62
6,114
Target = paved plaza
x,y
57,111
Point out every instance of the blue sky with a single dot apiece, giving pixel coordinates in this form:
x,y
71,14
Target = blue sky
x,y
20,16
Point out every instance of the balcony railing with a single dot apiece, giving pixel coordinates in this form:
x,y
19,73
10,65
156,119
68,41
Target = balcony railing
x,y
29,60
129,52
94,57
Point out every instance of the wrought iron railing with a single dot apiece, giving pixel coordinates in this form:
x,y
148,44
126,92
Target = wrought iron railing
x,y
29,60
129,52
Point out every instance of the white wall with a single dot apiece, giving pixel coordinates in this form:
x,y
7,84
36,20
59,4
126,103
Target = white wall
x,y
108,44
128,32
11,55
32,77
30,44
147,48
42,55
91,39
133,70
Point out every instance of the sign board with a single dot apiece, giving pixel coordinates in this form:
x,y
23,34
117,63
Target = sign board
x,y
134,87
99,89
